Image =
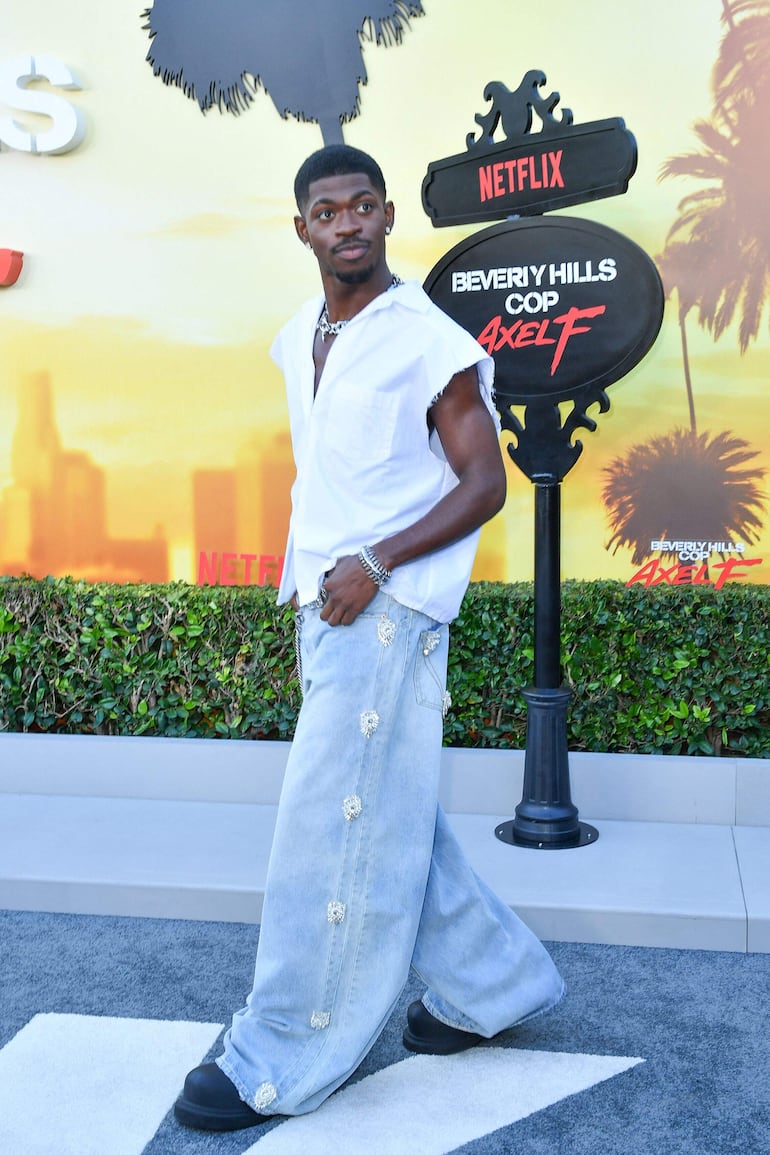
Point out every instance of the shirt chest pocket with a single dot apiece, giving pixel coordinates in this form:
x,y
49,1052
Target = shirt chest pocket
x,y
360,426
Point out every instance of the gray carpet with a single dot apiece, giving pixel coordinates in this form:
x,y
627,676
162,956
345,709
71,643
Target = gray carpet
x,y
697,1019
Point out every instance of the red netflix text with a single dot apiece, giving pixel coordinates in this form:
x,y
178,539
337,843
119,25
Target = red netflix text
x,y
239,569
11,262
519,175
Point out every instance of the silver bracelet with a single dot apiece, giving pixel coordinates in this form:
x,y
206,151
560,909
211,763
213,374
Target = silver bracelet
x,y
373,566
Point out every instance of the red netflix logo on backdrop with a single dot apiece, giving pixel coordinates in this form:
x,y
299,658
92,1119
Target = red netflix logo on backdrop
x,y
11,263
238,569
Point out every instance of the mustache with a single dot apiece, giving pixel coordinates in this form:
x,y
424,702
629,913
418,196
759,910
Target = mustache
x,y
343,245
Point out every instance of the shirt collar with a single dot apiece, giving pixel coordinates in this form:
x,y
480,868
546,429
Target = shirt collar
x,y
409,294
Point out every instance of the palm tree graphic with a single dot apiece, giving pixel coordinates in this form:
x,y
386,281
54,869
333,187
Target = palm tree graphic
x,y
743,65
683,487
717,260
306,54
717,252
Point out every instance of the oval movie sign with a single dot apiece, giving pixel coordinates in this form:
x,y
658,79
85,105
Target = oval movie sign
x,y
563,305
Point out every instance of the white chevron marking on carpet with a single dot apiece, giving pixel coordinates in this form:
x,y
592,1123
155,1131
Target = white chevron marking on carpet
x,y
434,1105
86,1085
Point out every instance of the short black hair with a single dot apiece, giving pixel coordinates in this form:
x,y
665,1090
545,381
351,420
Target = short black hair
x,y
336,160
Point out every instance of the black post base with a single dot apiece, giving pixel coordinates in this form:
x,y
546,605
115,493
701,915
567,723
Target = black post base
x,y
506,832
546,818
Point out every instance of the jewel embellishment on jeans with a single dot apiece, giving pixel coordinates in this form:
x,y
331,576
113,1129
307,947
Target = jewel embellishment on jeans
x,y
352,807
265,1095
335,913
370,720
446,704
386,630
431,640
319,1020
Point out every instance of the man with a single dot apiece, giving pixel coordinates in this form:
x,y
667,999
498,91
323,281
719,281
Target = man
x,y
398,465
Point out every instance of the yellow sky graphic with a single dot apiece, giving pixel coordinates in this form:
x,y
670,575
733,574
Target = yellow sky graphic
x,y
160,256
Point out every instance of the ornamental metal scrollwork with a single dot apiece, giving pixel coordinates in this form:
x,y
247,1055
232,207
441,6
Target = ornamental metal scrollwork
x,y
515,110
544,450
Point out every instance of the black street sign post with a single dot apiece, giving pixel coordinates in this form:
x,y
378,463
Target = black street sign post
x,y
565,307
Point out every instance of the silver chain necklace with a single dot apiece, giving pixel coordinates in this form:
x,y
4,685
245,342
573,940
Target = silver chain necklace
x,y
329,328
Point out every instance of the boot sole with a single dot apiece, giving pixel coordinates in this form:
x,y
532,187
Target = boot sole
x,y
208,1119
449,1047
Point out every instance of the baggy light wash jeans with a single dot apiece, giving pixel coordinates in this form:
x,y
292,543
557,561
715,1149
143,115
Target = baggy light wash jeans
x,y
365,877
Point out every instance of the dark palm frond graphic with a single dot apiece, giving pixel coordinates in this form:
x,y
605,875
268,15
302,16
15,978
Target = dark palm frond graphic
x,y
306,54
683,486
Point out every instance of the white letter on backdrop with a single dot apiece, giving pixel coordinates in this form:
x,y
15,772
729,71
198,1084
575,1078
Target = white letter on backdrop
x,y
69,124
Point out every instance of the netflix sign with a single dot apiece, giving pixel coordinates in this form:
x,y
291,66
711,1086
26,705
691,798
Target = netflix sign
x,y
564,306
531,174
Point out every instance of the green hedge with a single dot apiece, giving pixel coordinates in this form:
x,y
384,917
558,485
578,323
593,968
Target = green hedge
x,y
667,669
671,670
176,660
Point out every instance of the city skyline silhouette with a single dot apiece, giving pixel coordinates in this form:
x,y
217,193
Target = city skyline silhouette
x,y
54,513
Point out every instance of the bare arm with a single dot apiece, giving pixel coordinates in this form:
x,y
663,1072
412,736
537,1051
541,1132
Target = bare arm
x,y
469,440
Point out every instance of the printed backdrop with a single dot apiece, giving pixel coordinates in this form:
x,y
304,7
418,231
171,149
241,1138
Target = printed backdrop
x,y
143,430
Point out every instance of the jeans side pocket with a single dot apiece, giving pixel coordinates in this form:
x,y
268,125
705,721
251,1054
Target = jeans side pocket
x,y
429,668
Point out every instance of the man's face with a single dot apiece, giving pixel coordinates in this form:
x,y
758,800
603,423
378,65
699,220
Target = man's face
x,y
345,220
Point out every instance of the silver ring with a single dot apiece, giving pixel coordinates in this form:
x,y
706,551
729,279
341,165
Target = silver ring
x,y
323,595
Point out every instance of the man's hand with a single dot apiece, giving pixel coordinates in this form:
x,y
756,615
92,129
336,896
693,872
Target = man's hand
x,y
350,590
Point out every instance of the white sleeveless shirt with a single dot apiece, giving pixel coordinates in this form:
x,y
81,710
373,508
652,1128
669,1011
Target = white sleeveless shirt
x,y
367,465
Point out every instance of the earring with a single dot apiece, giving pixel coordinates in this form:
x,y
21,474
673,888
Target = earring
x,y
388,228
308,245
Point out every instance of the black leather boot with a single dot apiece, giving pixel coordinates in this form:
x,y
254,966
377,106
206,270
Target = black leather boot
x,y
210,1102
427,1036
